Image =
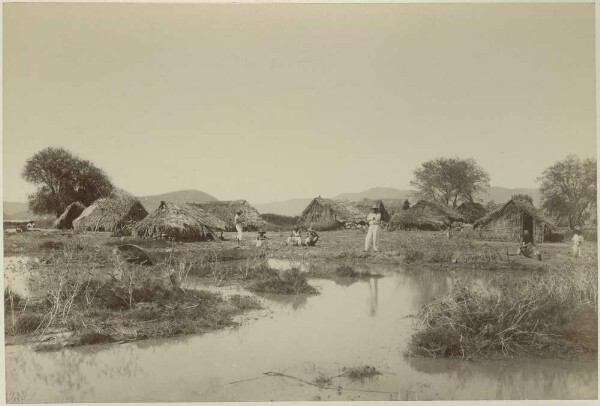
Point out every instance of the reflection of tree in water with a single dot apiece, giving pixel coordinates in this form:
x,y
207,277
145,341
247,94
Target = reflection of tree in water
x,y
74,373
425,284
515,379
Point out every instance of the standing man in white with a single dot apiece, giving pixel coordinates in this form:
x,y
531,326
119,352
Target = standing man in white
x,y
374,220
237,219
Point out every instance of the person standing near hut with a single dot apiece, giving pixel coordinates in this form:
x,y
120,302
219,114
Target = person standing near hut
x,y
374,220
237,219
577,242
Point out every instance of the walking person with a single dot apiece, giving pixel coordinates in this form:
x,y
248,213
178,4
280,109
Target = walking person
x,y
374,220
237,219
577,242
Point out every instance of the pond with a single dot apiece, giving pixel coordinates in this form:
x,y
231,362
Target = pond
x,y
352,322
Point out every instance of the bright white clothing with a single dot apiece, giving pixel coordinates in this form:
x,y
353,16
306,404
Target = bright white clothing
x,y
374,219
240,231
372,237
577,243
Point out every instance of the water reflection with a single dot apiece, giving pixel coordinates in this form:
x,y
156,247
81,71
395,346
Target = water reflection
x,y
364,322
373,295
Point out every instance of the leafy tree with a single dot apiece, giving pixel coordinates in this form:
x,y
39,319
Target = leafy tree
x,y
450,180
406,205
569,189
62,179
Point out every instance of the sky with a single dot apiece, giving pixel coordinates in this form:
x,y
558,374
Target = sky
x,y
271,102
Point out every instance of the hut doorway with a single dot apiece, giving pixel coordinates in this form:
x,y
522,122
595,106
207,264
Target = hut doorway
x,y
528,223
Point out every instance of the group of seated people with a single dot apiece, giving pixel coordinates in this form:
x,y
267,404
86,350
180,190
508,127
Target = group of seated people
x,y
295,237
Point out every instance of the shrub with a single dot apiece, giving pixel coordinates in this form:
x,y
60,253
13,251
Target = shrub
x,y
291,282
526,315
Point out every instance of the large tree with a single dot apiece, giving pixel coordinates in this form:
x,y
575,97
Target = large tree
x,y
62,178
569,189
450,180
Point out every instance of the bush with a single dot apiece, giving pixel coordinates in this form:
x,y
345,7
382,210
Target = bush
x,y
291,282
525,316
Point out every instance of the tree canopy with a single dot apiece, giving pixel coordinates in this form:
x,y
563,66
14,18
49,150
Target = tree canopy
x,y
450,180
569,189
62,178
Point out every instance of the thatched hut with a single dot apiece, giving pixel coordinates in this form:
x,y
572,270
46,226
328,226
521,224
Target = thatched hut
x,y
471,211
225,211
509,221
393,206
65,221
118,212
365,206
425,215
179,222
326,214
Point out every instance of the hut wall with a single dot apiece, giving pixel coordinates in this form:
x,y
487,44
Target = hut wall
x,y
506,227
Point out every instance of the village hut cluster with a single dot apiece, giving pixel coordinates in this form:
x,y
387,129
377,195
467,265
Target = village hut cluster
x,y
123,214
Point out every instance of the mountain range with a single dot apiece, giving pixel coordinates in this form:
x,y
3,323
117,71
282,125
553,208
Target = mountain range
x,y
292,207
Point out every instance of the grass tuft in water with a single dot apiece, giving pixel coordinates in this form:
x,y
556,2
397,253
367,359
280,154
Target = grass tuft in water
x,y
360,372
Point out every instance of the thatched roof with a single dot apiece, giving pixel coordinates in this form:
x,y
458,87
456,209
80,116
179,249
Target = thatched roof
x,y
183,222
425,215
393,206
518,204
112,213
471,211
365,206
65,221
328,214
225,211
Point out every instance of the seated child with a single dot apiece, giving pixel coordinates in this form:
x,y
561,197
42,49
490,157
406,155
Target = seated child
x,y
295,238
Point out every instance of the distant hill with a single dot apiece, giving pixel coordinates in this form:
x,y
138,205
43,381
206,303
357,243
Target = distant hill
x,y
294,207
502,194
291,207
376,193
151,203
11,208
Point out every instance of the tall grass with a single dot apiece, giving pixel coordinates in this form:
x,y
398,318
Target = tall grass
x,y
527,315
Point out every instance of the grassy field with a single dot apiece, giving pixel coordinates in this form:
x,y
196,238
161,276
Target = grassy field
x,y
89,295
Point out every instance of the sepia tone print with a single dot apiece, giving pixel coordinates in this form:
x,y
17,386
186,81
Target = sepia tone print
x,y
299,202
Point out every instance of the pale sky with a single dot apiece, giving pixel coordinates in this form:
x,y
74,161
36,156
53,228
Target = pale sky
x,y
271,102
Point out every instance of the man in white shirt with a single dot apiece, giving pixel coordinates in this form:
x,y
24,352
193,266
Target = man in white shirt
x,y
374,220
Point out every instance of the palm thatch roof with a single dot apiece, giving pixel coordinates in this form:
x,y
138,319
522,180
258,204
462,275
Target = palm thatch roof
x,y
515,204
183,222
328,214
365,206
471,211
225,211
65,221
425,215
118,211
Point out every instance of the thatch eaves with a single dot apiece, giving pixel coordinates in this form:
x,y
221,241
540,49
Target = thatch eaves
x,y
180,222
119,210
72,211
225,211
520,204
